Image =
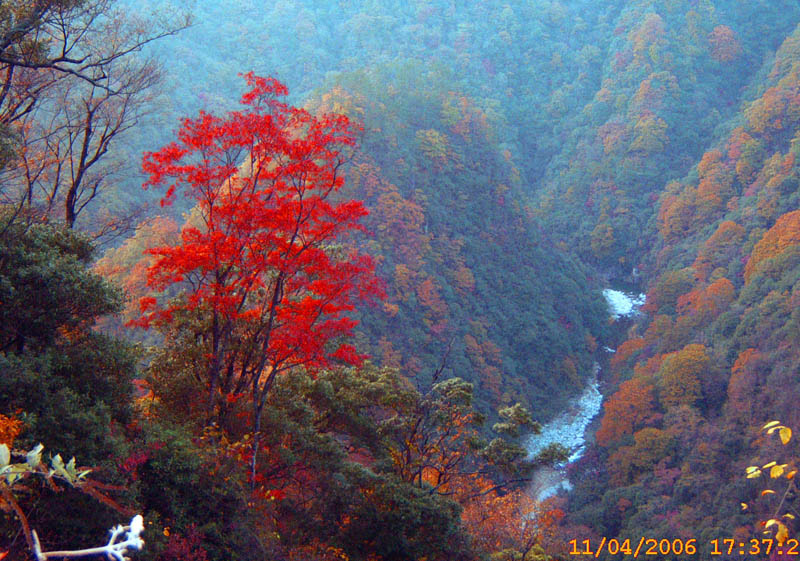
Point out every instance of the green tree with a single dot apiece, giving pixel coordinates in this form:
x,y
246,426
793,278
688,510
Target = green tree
x,y
70,386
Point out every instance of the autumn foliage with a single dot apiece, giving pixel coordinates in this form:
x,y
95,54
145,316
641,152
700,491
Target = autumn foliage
x,y
746,374
785,233
10,427
266,278
626,410
723,43
705,304
719,250
513,524
625,351
680,375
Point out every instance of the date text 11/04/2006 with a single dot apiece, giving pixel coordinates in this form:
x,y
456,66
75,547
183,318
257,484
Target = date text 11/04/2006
x,y
655,547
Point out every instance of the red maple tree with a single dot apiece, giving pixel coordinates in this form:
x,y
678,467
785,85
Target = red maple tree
x,y
261,260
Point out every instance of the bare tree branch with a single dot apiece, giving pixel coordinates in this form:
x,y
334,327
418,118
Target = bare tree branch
x,y
72,82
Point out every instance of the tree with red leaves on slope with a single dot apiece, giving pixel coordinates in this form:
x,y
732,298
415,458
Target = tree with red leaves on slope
x,y
261,265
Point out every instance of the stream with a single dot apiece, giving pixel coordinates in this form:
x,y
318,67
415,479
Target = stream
x,y
569,428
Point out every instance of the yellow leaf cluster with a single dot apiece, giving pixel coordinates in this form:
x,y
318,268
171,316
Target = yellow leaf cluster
x,y
776,471
784,432
782,533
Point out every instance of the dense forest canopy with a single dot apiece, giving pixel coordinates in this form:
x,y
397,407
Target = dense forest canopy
x,y
369,263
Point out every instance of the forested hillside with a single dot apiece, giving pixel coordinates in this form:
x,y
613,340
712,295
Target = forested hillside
x,y
716,357
349,293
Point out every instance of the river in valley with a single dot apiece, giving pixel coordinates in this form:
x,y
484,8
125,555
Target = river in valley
x,y
569,428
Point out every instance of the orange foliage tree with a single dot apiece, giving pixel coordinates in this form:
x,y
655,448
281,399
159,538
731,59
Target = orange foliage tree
x,y
703,305
513,525
716,183
435,307
719,250
400,226
435,444
624,352
680,374
676,214
647,37
629,408
650,446
723,43
743,383
768,114
127,265
10,427
784,234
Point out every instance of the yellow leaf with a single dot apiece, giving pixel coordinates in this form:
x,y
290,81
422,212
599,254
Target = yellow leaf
x,y
773,429
770,523
783,533
785,434
776,472
751,469
791,474
789,516
769,465
767,492
753,474
770,424
744,506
